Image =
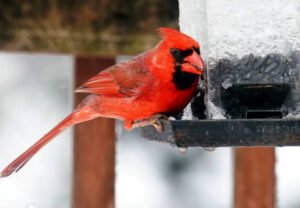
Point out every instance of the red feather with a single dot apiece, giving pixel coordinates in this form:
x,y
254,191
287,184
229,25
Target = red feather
x,y
133,91
121,80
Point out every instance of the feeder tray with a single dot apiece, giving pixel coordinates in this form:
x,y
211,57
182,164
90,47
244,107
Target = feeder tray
x,y
227,133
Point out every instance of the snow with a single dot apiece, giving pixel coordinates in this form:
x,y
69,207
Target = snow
x,y
292,115
214,112
259,26
187,113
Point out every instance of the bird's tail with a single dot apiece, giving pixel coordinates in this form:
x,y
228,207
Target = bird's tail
x,y
82,114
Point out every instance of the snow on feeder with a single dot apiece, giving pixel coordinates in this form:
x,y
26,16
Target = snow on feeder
x,y
252,85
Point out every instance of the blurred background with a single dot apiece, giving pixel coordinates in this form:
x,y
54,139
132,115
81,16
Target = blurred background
x,y
91,26
39,42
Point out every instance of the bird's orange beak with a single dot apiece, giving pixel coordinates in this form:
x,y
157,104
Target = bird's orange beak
x,y
196,62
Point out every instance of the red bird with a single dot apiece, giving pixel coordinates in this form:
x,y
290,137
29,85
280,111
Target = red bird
x,y
158,83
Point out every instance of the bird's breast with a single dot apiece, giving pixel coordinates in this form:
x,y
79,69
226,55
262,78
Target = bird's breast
x,y
171,99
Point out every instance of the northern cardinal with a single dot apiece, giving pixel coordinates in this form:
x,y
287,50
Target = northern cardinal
x,y
157,83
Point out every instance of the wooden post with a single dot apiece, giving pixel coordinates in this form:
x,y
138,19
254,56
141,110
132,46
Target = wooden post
x,y
255,177
94,147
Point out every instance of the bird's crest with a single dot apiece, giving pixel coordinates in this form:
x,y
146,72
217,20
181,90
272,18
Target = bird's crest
x,y
167,33
180,39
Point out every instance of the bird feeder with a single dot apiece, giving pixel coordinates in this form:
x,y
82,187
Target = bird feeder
x,y
250,94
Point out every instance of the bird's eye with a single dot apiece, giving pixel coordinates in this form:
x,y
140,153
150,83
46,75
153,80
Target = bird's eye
x,y
175,52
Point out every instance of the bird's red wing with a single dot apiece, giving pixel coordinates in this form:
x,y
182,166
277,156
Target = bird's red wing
x,y
121,80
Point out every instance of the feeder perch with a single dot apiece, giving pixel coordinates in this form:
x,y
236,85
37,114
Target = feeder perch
x,y
251,90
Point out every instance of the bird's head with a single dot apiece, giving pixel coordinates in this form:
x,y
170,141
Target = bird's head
x,y
183,50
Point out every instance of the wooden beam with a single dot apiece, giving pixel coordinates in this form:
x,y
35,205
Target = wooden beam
x,y
254,177
94,147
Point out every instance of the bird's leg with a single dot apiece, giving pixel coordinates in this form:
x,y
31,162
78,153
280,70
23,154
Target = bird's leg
x,y
153,120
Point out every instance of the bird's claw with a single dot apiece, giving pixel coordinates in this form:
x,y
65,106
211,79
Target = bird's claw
x,y
155,121
157,125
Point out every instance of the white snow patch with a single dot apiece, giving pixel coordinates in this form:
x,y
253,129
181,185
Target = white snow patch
x,y
187,113
214,112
